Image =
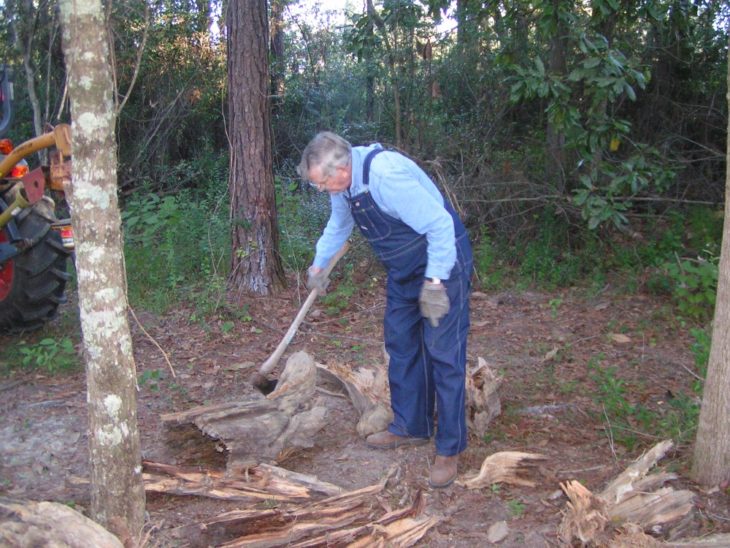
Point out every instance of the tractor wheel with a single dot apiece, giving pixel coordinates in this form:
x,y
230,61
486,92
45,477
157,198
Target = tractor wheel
x,y
32,284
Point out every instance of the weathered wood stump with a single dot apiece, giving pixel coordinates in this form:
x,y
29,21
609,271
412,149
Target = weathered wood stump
x,y
259,428
26,523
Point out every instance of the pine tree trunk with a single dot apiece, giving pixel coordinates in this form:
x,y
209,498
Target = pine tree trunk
x,y
117,491
711,465
255,264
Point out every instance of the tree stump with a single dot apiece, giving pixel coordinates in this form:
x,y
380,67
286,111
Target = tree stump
x,y
259,428
25,523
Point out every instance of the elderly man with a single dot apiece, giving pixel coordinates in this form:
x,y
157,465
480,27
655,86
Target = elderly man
x,y
425,250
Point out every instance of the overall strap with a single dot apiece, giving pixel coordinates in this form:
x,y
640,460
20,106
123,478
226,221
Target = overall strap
x,y
366,165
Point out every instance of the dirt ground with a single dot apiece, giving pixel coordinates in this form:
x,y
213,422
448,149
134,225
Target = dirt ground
x,y
550,348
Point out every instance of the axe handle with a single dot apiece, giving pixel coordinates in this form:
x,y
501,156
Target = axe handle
x,y
271,362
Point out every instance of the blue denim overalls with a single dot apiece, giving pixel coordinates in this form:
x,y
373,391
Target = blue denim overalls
x,y
427,364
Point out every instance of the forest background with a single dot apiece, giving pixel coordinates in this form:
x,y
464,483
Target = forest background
x,y
582,141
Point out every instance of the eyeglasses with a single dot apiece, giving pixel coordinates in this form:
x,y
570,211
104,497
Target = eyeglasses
x,y
320,184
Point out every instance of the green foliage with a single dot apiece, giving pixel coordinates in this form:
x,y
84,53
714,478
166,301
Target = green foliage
x,y
489,268
150,378
302,213
49,354
340,299
177,246
629,424
516,508
694,285
701,352
553,257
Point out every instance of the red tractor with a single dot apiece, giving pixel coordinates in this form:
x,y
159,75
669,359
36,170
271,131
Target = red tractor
x,y
34,244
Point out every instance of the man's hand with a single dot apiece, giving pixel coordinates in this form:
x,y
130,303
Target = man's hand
x,y
317,279
434,302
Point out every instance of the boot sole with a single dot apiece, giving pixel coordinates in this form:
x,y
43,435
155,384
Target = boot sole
x,y
442,485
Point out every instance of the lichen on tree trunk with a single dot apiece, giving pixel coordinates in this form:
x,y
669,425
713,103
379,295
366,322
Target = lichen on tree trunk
x,y
117,490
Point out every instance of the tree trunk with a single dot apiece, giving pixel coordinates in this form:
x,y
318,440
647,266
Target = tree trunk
x,y
255,263
711,465
370,65
117,491
555,167
277,52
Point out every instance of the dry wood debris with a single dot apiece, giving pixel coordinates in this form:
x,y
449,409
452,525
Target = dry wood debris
x,y
503,467
347,518
482,399
261,482
632,502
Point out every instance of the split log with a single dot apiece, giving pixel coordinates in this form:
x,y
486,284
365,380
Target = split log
x,y
631,500
503,467
50,524
260,428
262,482
482,399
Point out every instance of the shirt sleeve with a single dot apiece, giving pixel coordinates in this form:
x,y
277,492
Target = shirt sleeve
x,y
338,229
404,191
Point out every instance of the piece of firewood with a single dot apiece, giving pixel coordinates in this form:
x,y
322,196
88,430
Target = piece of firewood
x,y
259,428
262,482
503,467
650,509
482,399
25,523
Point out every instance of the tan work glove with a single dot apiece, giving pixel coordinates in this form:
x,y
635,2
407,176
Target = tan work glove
x,y
317,279
434,302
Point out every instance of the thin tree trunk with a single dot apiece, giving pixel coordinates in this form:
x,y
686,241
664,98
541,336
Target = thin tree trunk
x,y
393,72
117,491
711,465
255,263
370,66
555,167
277,52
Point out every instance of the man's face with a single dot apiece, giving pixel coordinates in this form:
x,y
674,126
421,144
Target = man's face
x,y
337,182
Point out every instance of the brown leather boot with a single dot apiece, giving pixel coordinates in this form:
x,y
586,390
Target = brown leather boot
x,y
388,440
443,471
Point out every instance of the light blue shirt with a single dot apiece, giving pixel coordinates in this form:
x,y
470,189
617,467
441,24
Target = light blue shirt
x,y
402,190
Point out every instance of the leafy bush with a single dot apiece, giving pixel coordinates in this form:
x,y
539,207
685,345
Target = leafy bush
x,y
302,213
175,243
49,354
694,285
489,268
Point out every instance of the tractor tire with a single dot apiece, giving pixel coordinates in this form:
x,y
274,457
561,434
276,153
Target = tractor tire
x,y
33,284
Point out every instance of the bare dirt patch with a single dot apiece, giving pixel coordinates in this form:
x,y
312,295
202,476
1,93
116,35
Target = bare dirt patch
x,y
556,352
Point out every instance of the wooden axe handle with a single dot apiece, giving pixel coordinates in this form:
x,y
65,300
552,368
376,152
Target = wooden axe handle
x,y
271,362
